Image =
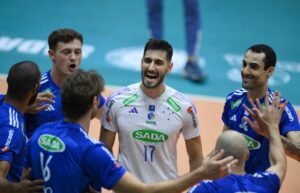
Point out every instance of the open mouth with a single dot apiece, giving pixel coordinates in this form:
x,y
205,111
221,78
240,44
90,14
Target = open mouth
x,y
72,66
151,75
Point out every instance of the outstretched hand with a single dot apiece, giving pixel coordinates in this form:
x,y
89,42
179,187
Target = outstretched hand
x,y
214,167
267,118
27,186
37,106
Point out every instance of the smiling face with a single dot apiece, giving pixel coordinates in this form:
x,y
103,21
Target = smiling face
x,y
66,58
155,66
253,73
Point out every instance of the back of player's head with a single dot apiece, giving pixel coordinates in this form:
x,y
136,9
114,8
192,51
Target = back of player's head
x,y
64,35
233,143
270,55
162,45
22,78
78,92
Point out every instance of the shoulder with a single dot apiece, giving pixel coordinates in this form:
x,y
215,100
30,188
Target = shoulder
x,y
236,94
178,101
45,79
123,94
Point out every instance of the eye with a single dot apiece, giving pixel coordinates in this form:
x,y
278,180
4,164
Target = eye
x,y
66,52
147,60
244,64
78,52
159,62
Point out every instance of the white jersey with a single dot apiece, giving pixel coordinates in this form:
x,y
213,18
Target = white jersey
x,y
149,129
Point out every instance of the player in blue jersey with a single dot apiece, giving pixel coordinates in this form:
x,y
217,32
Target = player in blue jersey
x,y
65,52
258,66
69,160
234,144
192,18
23,82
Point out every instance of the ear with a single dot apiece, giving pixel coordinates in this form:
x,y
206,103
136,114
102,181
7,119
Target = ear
x,y
170,67
51,54
270,71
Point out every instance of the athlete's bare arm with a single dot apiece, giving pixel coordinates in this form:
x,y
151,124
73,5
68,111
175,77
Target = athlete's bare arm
x,y
107,137
211,168
291,144
194,151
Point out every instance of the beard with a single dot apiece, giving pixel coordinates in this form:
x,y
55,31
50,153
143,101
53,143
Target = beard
x,y
155,85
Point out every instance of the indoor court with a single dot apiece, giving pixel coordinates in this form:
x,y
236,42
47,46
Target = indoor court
x,y
115,32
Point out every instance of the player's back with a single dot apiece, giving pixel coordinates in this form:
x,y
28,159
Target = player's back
x,y
262,182
56,153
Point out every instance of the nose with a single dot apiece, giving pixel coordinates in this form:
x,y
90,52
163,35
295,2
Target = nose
x,y
72,56
245,70
151,66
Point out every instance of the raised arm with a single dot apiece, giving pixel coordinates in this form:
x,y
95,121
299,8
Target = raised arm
x,y
266,122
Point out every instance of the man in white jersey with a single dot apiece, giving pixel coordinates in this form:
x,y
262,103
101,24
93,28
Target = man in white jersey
x,y
149,117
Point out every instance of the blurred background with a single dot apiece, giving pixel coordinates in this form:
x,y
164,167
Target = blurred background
x,y
115,32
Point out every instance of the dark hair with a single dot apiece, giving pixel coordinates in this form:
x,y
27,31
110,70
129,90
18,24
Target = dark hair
x,y
22,78
78,92
270,56
64,35
163,45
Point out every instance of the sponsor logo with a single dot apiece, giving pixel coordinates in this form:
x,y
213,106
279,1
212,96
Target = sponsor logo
x,y
133,110
149,136
130,99
51,143
252,143
191,112
34,46
4,149
173,104
108,110
291,117
9,138
235,103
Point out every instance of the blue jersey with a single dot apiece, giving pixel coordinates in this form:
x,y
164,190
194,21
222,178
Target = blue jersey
x,y
53,112
258,145
262,182
68,160
12,140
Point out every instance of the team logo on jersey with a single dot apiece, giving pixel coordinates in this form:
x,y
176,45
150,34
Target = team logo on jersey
x,y
252,143
151,115
192,113
149,136
235,103
130,99
51,143
173,104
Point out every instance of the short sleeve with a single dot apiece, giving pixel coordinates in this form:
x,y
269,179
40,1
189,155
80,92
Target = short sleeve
x,y
103,169
108,119
191,127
